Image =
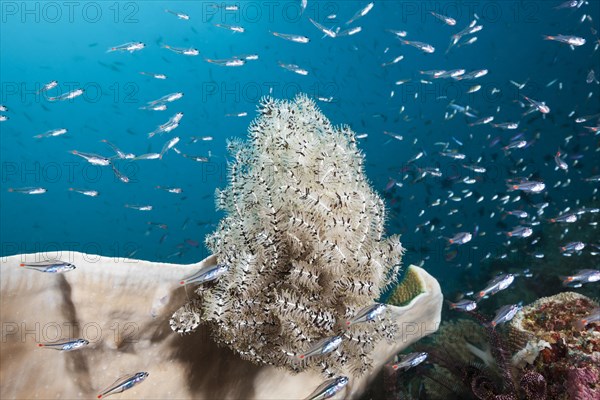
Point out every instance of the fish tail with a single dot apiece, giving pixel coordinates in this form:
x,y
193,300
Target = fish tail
x,y
548,37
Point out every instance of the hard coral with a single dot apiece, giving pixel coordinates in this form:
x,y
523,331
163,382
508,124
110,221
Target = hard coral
x,y
571,357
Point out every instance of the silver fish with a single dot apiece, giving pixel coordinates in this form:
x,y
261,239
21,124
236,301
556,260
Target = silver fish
x,y
228,62
582,276
410,360
323,346
528,186
505,314
497,284
593,316
52,267
328,388
460,238
368,313
291,37
572,247
463,305
361,13
67,96
206,274
520,231
130,47
183,51
124,383
28,190
66,346
570,40
51,133
93,159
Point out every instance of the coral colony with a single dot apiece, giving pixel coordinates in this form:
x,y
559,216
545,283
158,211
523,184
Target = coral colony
x,y
301,248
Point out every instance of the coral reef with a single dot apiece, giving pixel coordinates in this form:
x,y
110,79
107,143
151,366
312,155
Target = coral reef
x,y
570,359
543,353
410,287
303,238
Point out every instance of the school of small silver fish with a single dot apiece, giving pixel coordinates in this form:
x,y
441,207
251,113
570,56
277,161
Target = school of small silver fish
x,y
497,184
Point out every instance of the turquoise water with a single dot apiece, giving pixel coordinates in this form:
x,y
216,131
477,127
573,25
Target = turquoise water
x,y
68,42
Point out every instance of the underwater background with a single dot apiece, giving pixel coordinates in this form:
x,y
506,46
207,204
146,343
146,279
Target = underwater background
x,y
68,41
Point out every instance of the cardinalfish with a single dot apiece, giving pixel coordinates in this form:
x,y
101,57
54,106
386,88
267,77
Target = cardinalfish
x,y
233,28
130,47
592,317
51,267
326,31
291,37
527,186
444,19
65,346
93,159
293,68
206,274
168,98
537,106
167,146
328,388
176,190
323,346
85,192
567,39
581,277
409,361
183,51
572,247
178,14
155,76
48,86
463,305
520,232
124,383
67,96
560,163
147,156
460,238
505,314
565,218
361,13
168,126
495,285
120,154
367,314
51,133
424,47
228,62
139,207
28,190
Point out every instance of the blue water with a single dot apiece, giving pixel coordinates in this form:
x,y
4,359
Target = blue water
x,y
60,41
